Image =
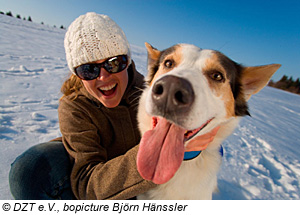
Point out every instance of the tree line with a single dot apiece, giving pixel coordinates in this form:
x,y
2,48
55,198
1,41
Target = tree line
x,y
9,13
287,83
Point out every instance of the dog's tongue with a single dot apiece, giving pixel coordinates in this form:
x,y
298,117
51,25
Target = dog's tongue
x,y
161,152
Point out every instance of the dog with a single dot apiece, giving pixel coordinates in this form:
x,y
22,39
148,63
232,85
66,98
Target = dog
x,y
190,91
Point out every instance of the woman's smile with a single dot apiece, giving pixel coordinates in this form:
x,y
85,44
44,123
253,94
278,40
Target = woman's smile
x,y
108,90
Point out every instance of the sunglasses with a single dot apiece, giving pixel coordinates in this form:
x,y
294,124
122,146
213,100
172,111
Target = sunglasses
x,y
112,65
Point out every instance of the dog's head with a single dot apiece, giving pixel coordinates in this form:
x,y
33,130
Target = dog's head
x,y
191,91
199,85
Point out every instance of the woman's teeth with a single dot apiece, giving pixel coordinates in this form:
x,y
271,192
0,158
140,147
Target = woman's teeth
x,y
109,87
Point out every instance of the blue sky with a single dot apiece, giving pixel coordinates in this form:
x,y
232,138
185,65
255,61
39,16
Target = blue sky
x,y
253,32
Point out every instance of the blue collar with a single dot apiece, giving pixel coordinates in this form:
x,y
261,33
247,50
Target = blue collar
x,y
194,154
191,155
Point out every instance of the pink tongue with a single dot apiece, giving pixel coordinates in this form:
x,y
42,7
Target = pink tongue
x,y
161,152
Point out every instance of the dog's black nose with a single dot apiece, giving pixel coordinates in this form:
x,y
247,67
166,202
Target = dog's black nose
x,y
172,95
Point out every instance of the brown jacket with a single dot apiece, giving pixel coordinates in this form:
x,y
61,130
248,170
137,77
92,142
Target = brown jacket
x,y
103,144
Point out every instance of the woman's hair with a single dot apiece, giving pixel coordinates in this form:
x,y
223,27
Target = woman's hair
x,y
71,85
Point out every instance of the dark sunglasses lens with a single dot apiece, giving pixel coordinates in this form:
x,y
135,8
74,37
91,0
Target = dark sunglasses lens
x,y
92,71
116,64
88,71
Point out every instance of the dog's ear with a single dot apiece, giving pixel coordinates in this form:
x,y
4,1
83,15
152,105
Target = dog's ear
x,y
256,78
153,58
153,53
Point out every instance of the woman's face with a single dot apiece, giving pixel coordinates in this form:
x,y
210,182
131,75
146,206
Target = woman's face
x,y
108,88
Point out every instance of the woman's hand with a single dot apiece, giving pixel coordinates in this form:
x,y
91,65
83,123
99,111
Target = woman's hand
x,y
200,143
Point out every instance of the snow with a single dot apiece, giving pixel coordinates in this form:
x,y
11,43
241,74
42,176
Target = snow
x,y
261,157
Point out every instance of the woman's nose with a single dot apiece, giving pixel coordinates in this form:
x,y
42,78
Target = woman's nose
x,y
103,74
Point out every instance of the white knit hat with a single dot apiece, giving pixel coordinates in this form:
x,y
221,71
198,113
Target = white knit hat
x,y
92,37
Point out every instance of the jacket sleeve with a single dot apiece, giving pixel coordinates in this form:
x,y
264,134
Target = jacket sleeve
x,y
93,176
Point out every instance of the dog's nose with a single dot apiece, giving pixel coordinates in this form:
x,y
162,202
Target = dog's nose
x,y
172,95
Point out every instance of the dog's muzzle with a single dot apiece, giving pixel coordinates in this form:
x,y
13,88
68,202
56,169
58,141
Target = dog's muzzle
x,y
172,95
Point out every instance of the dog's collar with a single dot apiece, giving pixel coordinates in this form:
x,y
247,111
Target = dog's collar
x,y
194,154
191,155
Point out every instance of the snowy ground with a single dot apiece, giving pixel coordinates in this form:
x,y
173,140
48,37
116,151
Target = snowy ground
x,y
261,159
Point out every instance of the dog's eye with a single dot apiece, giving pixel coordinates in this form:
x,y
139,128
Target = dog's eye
x,y
169,63
217,76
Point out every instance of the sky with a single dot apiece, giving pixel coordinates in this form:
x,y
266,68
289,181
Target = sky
x,y
252,33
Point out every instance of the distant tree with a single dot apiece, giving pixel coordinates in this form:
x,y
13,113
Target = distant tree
x,y
290,82
24,18
29,19
297,82
1,12
54,26
18,16
271,83
284,78
42,23
62,27
9,13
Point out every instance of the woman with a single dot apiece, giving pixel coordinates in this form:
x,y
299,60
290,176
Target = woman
x,y
97,118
